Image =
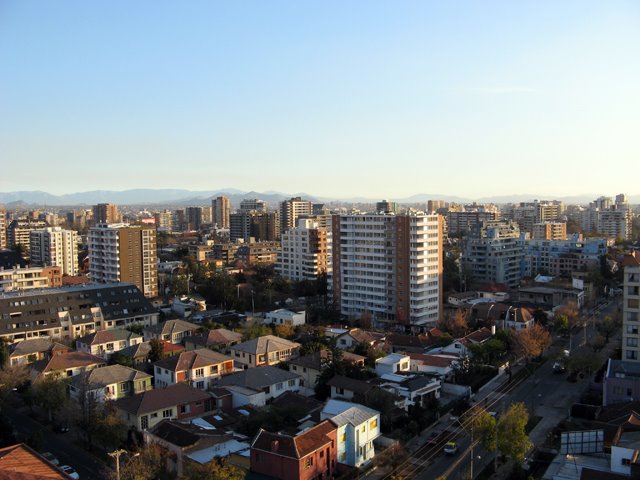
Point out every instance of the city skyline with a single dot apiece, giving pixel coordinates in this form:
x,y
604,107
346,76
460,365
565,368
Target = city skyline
x,y
338,100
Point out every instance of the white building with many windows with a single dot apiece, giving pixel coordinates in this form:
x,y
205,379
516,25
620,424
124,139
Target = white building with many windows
x,y
631,308
55,247
389,266
304,251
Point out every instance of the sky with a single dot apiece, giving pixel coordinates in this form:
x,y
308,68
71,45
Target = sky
x,y
351,98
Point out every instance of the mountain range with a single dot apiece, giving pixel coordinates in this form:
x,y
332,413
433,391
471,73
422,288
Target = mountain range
x,y
199,197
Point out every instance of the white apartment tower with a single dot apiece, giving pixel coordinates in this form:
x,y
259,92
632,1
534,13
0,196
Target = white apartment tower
x,y
388,265
304,251
3,229
55,247
291,210
221,208
631,308
119,252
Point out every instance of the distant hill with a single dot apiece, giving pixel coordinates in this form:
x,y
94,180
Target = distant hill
x,y
183,197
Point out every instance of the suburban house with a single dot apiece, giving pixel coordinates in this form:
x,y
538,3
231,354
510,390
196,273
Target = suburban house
x,y
306,456
358,426
284,316
196,441
413,389
219,339
139,353
196,367
21,462
272,381
440,365
172,331
398,343
110,383
392,363
349,388
357,336
179,401
459,346
105,342
29,351
66,365
265,350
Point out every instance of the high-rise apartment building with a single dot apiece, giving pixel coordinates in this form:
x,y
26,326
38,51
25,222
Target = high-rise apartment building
x,y
550,231
105,213
387,265
291,210
221,210
3,229
493,253
55,247
261,226
304,253
253,205
194,218
469,217
631,308
164,219
609,218
385,206
19,233
124,253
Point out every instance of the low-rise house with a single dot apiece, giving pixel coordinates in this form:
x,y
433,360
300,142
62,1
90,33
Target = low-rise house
x,y
440,365
218,339
418,390
398,343
310,366
461,298
197,367
272,381
66,365
393,363
185,306
357,336
621,382
20,462
284,316
29,351
358,426
349,388
309,455
139,353
172,331
460,345
265,350
179,401
197,441
110,383
106,342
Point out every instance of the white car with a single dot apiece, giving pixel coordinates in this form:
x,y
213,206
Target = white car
x,y
50,457
451,448
70,472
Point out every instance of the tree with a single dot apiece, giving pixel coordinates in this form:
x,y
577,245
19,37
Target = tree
x,y
12,377
456,324
597,343
217,469
111,430
561,323
607,327
285,331
157,350
512,439
533,341
49,392
484,429
255,330
572,312
149,464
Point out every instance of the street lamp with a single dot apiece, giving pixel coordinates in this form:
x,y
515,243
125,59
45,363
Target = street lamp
x,y
116,454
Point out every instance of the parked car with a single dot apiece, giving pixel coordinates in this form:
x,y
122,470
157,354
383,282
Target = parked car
x,y
70,472
558,368
451,448
61,428
51,458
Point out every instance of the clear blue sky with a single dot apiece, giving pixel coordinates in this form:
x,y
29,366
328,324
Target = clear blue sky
x,y
345,98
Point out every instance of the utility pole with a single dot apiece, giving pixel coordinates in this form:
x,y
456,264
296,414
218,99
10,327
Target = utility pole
x,y
116,454
471,473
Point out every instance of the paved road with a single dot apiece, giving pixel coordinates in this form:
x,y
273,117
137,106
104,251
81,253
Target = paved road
x,y
61,445
547,395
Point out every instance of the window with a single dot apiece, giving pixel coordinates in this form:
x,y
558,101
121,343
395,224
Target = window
x,y
343,437
373,424
154,415
199,372
308,463
321,454
144,422
632,329
632,355
279,386
200,385
167,413
214,370
185,408
626,461
292,383
632,342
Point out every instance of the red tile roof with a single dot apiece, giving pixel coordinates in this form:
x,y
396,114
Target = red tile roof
x,y
19,462
193,359
431,360
67,360
295,447
158,399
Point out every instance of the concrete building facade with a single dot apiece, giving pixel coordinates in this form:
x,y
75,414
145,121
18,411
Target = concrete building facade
x,y
304,252
55,247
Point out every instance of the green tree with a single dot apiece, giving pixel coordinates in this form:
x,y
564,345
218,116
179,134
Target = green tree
x,y
111,430
255,330
157,350
49,392
217,469
512,440
607,327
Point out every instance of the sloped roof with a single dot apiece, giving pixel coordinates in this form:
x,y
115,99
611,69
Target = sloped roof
x,y
35,345
314,360
67,360
201,357
258,378
105,336
20,462
158,399
399,340
265,344
171,327
431,360
343,413
351,384
359,335
298,446
101,377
